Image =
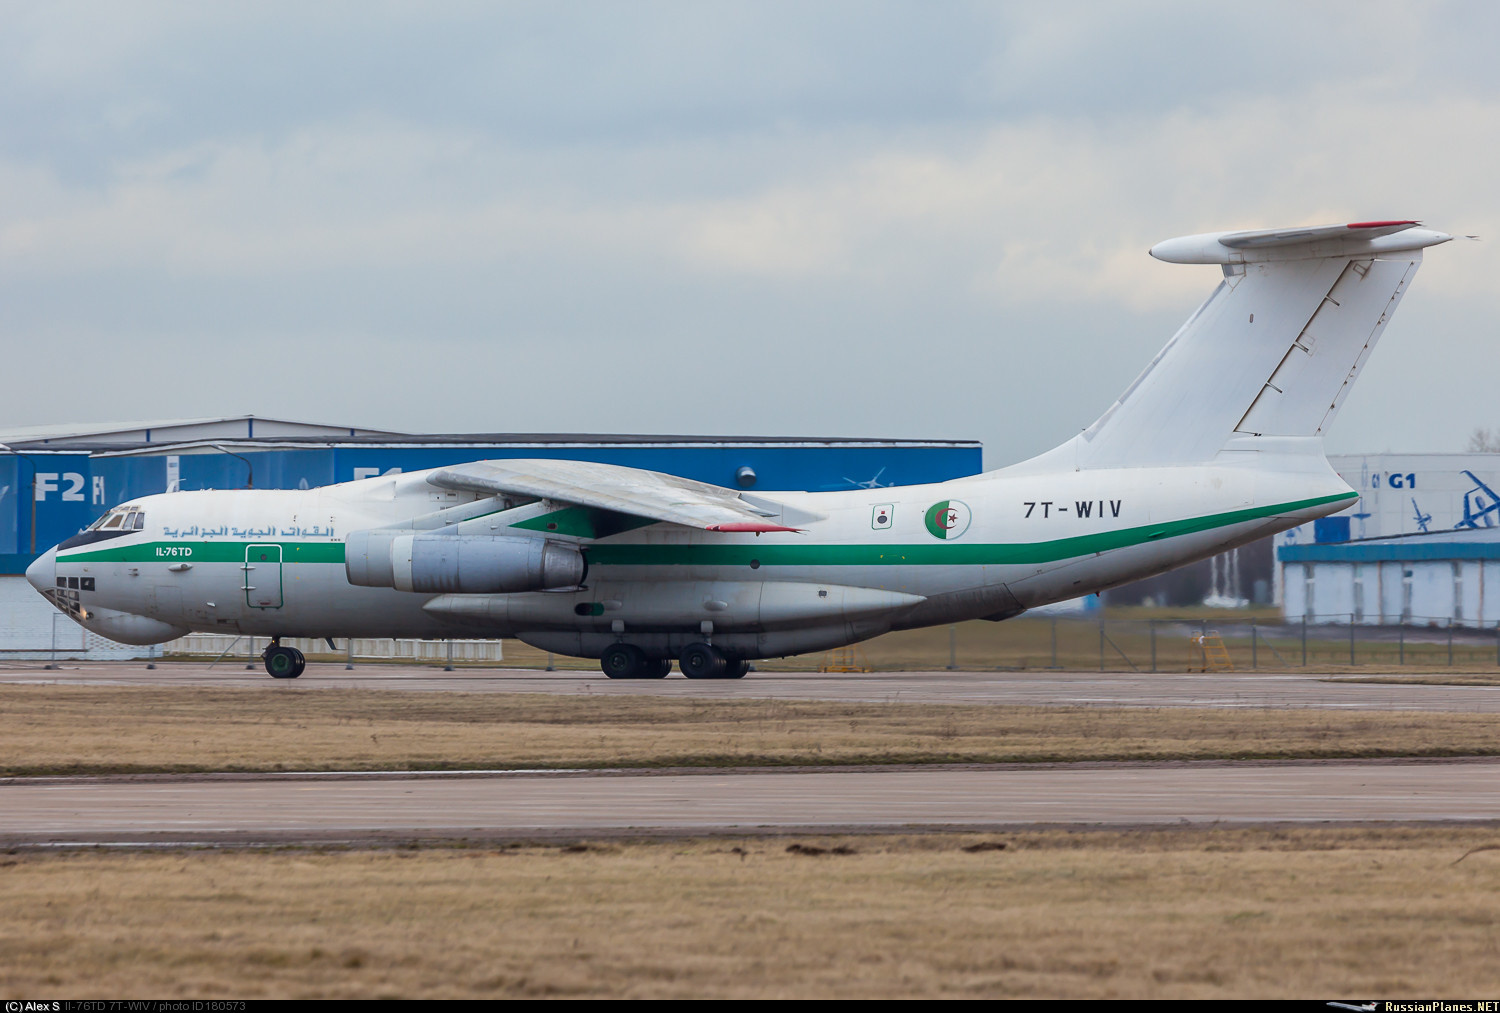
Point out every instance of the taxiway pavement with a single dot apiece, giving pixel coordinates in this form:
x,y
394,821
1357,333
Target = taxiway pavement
x,y
1103,689
324,807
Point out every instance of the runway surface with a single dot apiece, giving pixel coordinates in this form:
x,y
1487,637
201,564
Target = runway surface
x,y
334,807
1257,690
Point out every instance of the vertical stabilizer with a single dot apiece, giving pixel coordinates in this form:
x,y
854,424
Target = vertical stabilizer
x,y
1275,349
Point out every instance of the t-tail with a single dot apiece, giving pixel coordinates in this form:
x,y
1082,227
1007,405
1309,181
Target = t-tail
x,y
1270,356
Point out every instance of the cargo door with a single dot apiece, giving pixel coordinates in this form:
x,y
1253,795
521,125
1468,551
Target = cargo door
x,y
262,571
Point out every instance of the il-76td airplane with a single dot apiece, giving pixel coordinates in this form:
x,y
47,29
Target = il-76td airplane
x,y
1218,442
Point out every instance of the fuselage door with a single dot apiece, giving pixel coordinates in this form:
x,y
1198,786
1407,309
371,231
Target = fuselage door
x,y
262,571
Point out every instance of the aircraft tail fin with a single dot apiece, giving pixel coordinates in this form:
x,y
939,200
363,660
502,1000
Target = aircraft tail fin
x,y
1275,349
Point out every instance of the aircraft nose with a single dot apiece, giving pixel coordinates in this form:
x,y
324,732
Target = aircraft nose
x,y
42,574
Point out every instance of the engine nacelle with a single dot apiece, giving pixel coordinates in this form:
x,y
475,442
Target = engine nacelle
x,y
460,564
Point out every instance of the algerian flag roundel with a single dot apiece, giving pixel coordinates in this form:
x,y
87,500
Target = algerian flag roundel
x,y
947,519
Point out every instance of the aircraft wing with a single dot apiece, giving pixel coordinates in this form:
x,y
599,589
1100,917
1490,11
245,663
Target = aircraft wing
x,y
612,487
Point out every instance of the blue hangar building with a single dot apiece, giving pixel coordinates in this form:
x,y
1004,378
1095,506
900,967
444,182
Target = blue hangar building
x,y
56,480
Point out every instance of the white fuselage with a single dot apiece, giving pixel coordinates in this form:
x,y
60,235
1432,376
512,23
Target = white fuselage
x,y
863,562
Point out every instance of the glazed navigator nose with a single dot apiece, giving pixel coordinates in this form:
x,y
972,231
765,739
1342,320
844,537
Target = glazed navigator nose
x,y
42,574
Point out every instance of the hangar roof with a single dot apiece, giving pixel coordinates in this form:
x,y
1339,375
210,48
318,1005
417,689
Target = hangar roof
x,y
1477,543
86,435
177,436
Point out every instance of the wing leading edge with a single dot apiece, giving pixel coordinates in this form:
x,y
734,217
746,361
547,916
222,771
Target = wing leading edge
x,y
634,491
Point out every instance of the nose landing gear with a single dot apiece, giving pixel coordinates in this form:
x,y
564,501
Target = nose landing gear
x,y
283,662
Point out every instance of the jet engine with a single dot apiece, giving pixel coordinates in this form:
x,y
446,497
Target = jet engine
x,y
460,564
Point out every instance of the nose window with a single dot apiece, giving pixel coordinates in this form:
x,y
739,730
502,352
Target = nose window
x,y
139,521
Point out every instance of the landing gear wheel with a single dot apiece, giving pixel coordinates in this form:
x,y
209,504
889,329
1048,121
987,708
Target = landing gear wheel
x,y
624,661
736,668
702,661
283,662
657,668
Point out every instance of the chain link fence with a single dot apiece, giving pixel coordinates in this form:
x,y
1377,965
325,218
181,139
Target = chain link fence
x,y
1188,643
1121,640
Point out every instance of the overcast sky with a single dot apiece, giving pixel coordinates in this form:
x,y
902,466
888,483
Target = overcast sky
x,y
862,219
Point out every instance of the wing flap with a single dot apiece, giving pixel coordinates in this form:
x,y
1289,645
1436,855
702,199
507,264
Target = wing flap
x,y
634,491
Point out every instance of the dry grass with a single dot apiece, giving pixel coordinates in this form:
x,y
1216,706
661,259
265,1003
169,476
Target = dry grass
x,y
1169,914
76,730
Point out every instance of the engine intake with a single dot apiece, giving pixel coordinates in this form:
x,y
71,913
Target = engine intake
x,y
460,564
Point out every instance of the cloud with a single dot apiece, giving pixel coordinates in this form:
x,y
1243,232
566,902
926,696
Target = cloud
x,y
823,191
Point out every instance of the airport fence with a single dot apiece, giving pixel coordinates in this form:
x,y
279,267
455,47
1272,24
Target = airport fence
x,y
228,647
1186,643
1122,640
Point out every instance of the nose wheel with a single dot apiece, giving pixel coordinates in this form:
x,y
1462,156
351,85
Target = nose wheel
x,y
283,662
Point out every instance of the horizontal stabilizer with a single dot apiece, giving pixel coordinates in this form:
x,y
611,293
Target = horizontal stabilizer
x,y
1356,239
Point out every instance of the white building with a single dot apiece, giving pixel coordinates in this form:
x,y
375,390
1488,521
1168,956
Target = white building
x,y
1420,546
1406,494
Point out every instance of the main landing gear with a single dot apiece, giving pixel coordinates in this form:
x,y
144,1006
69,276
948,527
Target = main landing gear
x,y
626,661
283,662
698,661
705,661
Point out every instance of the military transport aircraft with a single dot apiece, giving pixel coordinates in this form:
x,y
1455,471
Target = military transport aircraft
x,y
1217,443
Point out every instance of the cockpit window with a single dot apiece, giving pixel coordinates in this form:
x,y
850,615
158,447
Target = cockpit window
x,y
122,518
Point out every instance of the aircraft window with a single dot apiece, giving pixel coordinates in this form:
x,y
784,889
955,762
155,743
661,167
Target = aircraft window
x,y
140,521
112,521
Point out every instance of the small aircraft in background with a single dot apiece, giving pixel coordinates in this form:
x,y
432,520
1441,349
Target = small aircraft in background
x,y
1422,519
1480,505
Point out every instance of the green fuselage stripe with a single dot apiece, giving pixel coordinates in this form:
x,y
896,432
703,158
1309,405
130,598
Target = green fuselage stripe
x,y
204,552
766,553
934,553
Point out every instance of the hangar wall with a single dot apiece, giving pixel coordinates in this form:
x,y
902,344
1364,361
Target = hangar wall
x,y
1419,580
1421,546
49,491
56,480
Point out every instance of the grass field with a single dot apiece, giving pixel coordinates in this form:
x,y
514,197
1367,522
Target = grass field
x,y
100,730
1165,915
1180,913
